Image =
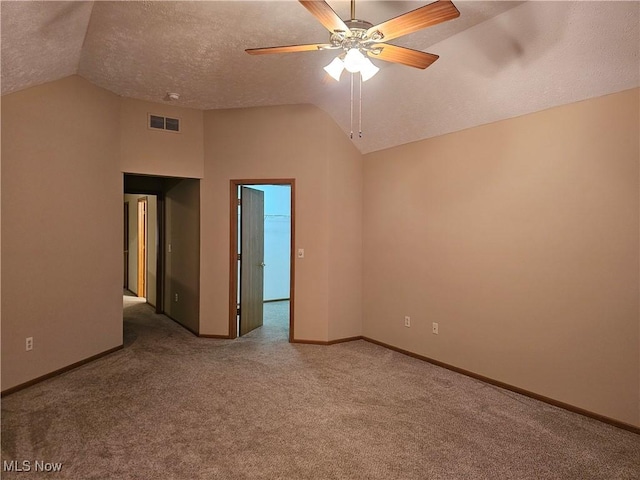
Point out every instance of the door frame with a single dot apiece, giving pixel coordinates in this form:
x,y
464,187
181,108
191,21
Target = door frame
x,y
125,280
233,248
143,247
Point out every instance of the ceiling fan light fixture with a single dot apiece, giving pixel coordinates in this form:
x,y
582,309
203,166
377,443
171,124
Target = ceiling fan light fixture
x,y
335,68
353,60
368,69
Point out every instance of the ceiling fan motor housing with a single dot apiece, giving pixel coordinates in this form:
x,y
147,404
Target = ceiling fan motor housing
x,y
357,36
358,25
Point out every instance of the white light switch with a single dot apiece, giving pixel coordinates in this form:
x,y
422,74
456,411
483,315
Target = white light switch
x,y
301,253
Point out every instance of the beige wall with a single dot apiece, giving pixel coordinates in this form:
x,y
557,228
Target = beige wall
x,y
61,258
157,152
519,238
279,142
345,236
182,276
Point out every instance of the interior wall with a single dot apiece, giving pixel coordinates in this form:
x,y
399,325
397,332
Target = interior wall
x,y
60,144
157,152
345,237
267,143
521,239
182,272
152,241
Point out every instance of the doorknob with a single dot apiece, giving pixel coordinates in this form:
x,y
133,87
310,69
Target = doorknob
x,y
263,264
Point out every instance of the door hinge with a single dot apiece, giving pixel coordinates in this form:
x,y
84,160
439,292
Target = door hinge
x,y
239,202
239,256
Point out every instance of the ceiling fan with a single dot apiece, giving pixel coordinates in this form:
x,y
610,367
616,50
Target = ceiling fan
x,y
360,39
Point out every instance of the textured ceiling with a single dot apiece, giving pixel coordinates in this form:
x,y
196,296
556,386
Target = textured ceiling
x,y
498,60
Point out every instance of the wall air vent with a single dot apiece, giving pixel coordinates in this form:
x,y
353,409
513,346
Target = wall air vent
x,y
158,122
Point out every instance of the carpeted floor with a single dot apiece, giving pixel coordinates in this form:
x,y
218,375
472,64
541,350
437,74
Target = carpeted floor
x,y
173,406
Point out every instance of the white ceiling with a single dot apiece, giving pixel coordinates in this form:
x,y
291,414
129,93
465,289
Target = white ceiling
x,y
498,60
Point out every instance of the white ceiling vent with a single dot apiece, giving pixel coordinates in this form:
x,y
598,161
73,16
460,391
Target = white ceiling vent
x,y
158,122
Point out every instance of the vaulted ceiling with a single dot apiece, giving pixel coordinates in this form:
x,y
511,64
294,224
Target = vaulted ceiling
x,y
497,60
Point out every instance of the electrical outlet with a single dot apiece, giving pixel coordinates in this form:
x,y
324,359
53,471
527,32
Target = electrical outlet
x,y
176,298
434,328
29,344
407,321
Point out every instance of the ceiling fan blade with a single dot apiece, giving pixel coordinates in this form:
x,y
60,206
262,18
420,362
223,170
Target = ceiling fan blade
x,y
403,55
325,15
288,48
422,17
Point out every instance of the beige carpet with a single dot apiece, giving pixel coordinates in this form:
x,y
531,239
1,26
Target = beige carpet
x,y
173,406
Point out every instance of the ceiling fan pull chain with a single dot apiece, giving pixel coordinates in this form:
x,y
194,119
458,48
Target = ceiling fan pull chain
x,y
360,109
351,134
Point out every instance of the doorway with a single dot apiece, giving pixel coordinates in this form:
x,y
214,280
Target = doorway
x,y
261,255
142,235
172,244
